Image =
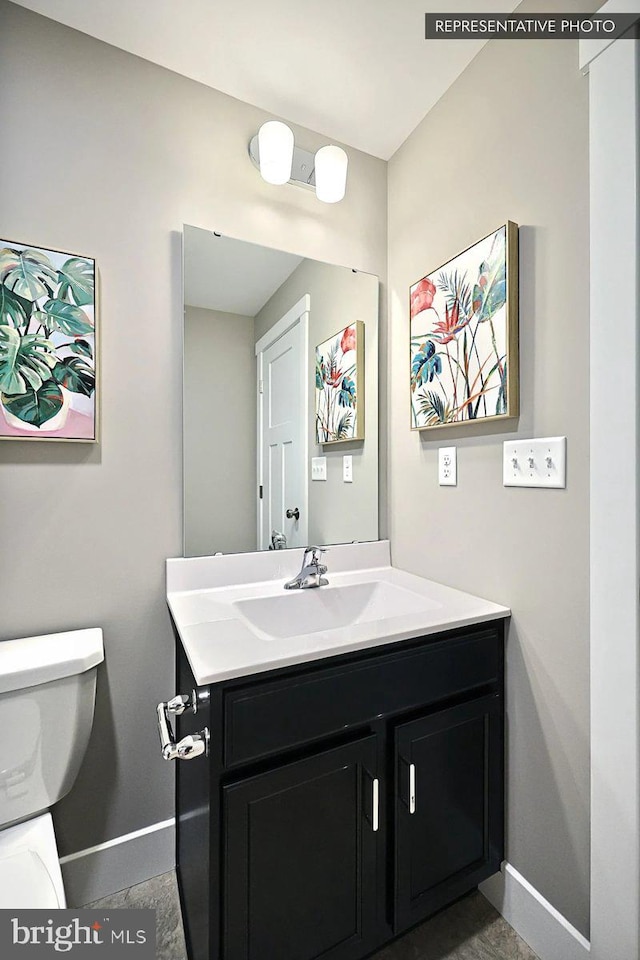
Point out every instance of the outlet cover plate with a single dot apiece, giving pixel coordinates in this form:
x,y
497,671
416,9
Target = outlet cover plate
x,y
318,468
447,467
535,463
347,469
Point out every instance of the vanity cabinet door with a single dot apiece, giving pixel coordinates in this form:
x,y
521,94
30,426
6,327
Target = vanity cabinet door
x,y
300,858
449,806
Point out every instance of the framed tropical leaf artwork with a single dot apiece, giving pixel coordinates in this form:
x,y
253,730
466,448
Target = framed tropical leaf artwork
x,y
340,386
47,344
464,336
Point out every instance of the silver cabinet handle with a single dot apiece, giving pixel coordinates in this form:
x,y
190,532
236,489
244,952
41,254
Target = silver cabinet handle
x,y
191,746
412,788
376,805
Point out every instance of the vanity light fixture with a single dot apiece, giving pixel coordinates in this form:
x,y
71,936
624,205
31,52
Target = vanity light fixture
x,y
331,173
274,153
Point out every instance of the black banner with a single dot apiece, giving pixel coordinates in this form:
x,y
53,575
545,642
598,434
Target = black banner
x,y
532,26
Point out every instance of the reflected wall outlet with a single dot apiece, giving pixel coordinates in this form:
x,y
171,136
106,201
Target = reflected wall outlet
x,y
347,469
318,468
447,467
535,463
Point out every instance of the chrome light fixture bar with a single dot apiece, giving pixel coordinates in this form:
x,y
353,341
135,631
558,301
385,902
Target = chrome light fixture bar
x,y
273,151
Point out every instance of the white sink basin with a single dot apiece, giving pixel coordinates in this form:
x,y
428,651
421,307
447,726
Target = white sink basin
x,y
299,612
235,618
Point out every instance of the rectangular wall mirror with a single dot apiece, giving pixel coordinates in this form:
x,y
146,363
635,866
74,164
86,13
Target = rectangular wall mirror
x,y
280,399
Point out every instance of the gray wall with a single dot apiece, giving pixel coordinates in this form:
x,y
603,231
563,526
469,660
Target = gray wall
x,y
509,141
219,433
338,512
109,155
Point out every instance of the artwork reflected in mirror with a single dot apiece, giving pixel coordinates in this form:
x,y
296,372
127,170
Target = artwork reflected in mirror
x,y
340,386
254,321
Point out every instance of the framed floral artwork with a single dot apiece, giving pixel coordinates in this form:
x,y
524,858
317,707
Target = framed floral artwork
x,y
47,344
340,386
464,336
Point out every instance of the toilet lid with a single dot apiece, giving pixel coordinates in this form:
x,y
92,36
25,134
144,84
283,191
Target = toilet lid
x,y
25,883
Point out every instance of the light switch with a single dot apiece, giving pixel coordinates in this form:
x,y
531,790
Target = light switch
x,y
447,467
535,463
318,468
347,469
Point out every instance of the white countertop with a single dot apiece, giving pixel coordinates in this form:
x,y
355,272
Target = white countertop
x,y
246,626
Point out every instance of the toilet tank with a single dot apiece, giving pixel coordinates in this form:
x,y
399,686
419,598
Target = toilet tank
x,y
47,696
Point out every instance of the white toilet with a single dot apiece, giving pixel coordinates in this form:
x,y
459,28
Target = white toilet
x,y
47,696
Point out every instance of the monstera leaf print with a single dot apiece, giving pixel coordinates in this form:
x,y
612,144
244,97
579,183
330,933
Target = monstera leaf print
x,y
81,347
14,310
25,362
47,342
347,396
27,273
76,281
425,365
65,317
76,375
35,407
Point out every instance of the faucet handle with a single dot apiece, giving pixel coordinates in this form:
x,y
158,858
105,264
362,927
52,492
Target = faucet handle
x,y
315,553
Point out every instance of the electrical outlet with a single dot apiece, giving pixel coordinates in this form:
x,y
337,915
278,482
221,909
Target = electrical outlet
x,y
318,468
447,467
347,469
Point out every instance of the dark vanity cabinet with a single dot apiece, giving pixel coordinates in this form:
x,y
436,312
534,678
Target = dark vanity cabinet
x,y
448,806
300,865
342,801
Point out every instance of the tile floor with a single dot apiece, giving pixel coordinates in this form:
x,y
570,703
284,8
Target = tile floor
x,y
469,930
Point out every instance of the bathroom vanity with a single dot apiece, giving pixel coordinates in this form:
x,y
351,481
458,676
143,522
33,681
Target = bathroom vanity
x,y
353,778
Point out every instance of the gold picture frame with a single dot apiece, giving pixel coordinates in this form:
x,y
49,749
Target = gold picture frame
x,y
463,336
339,378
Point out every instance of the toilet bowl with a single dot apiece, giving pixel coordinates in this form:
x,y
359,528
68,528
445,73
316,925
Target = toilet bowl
x,y
47,697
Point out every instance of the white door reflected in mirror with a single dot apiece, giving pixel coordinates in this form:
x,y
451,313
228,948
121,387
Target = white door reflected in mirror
x,y
282,418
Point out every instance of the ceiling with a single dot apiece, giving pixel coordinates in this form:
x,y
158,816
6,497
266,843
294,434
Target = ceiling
x,y
357,71
230,275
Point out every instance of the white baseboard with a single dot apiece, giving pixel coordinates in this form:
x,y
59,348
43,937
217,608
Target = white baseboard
x,y
533,918
117,864
120,863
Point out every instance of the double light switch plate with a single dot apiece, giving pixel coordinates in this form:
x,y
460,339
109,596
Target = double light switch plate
x,y
535,463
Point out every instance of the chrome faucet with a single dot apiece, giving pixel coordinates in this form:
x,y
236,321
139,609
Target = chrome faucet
x,y
311,574
278,541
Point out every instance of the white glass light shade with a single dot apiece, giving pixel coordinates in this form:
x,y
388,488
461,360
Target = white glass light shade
x,y
275,147
331,173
